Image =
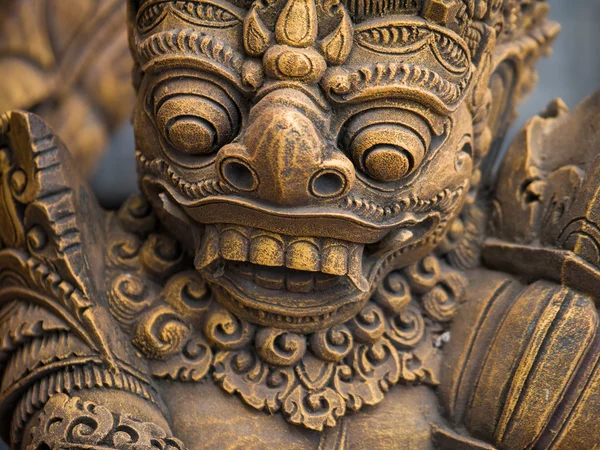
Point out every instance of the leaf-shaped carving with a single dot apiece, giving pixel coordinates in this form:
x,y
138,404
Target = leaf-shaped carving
x,y
34,282
260,385
371,370
336,46
297,24
314,410
257,37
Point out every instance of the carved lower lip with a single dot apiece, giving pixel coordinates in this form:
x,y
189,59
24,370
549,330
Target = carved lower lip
x,y
247,301
302,320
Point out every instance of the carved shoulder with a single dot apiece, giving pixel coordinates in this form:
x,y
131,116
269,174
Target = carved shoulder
x,y
522,365
58,337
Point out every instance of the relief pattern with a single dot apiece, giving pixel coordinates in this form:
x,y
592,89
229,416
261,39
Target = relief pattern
x,y
318,256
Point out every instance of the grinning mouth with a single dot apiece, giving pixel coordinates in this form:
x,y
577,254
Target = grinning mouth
x,y
321,277
298,282
266,249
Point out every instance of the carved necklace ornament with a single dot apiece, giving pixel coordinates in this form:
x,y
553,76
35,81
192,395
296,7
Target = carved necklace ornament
x,y
317,258
311,379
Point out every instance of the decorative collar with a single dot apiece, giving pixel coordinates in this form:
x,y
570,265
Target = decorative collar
x,y
177,323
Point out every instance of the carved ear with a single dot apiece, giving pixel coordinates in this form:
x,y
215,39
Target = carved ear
x,y
512,76
480,99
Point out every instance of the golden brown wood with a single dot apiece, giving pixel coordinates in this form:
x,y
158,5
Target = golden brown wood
x,y
314,261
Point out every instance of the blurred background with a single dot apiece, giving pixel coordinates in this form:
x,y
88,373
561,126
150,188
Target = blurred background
x,y
571,73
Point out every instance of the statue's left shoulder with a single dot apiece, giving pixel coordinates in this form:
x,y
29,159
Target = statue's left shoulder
x,y
521,367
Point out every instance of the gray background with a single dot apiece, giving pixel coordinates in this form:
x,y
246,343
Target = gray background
x,y
572,72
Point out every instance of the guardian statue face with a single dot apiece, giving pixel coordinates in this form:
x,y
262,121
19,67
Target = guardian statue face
x,y
302,149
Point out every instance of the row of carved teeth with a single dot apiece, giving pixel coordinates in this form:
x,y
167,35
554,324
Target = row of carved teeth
x,y
263,248
276,278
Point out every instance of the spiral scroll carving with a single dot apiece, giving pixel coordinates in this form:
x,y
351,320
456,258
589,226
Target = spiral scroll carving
x,y
332,344
226,331
127,298
368,325
424,275
161,254
407,329
161,333
442,301
393,293
279,347
187,293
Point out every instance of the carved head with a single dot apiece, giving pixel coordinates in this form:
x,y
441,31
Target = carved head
x,y
302,149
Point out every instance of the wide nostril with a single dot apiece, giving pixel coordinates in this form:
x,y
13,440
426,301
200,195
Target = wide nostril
x,y
239,174
328,183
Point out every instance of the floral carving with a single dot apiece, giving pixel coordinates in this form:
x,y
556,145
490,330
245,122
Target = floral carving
x,y
70,422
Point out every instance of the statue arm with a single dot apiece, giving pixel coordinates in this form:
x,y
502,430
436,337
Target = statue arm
x,y
522,362
63,359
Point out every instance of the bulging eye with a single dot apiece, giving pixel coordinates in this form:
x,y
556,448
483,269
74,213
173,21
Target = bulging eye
x,y
386,144
195,116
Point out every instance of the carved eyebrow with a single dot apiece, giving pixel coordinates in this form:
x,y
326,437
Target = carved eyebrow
x,y
204,13
388,80
205,52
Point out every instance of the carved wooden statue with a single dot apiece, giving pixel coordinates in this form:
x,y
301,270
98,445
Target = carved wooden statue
x,y
319,258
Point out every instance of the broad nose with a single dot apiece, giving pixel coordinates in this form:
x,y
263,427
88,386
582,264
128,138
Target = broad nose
x,y
282,158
